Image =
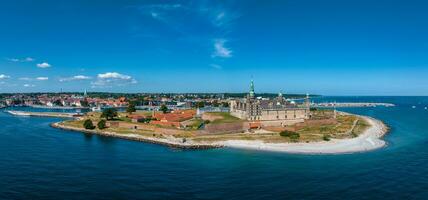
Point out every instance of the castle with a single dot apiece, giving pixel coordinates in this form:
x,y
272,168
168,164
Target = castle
x,y
270,112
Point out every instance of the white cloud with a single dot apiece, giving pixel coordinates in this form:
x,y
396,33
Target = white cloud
x,y
113,75
220,50
13,59
213,16
2,77
43,65
111,79
29,85
216,66
27,59
42,78
159,11
75,78
25,79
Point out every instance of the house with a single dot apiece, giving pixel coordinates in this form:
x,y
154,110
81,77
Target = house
x,y
174,118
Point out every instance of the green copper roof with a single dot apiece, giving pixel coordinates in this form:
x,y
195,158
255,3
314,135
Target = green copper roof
x,y
252,89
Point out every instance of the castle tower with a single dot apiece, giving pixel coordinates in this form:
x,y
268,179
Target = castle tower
x,y
307,102
252,94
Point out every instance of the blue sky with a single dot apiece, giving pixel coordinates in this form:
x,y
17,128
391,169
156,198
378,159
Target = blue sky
x,y
321,47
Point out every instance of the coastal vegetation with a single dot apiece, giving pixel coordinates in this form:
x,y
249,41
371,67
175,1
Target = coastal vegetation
x,y
109,113
102,124
87,124
131,107
163,108
290,134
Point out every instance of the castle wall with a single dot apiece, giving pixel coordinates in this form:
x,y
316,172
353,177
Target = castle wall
x,y
288,122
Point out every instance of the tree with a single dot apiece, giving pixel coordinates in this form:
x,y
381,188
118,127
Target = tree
x,y
57,103
163,108
215,104
102,124
131,108
200,104
326,137
290,134
145,120
109,113
84,103
87,124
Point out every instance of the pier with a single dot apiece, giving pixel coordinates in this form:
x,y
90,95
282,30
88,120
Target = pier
x,y
350,105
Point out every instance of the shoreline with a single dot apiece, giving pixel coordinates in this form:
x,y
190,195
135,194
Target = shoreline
x,y
367,141
170,142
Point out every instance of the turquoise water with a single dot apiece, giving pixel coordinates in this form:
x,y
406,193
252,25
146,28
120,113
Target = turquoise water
x,y
39,162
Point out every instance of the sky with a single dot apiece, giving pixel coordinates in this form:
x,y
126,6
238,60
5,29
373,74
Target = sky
x,y
328,47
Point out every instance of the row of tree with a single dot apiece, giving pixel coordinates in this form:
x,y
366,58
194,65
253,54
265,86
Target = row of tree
x,y
88,124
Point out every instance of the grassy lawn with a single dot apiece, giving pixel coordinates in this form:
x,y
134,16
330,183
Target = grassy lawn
x,y
73,123
225,118
342,129
195,123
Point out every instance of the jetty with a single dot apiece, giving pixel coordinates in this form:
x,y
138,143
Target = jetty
x,y
44,114
350,105
56,107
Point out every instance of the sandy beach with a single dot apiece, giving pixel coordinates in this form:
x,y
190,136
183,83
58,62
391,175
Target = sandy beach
x,y
369,140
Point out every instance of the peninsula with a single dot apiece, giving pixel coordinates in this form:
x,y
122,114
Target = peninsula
x,y
270,124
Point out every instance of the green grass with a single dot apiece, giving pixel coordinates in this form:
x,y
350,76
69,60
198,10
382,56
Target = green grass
x,y
226,118
339,131
196,123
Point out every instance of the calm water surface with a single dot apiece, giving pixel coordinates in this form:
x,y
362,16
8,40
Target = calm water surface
x,y
39,162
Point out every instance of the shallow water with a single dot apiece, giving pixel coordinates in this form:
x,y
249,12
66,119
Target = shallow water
x,y
39,162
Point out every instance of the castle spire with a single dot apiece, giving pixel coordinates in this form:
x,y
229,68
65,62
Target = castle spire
x,y
252,89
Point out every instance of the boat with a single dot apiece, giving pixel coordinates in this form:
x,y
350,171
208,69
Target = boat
x,y
96,109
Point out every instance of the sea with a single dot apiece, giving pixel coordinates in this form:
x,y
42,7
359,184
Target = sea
x,y
40,162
